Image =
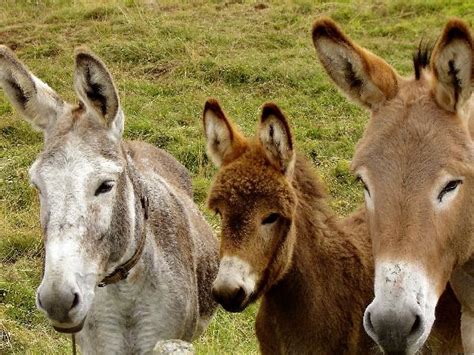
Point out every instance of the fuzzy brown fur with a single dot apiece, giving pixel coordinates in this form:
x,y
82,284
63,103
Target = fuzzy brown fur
x,y
316,272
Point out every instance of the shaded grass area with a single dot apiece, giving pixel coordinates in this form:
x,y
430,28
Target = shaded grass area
x,y
167,58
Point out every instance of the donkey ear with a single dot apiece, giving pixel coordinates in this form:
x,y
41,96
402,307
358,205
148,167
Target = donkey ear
x,y
452,66
224,142
276,138
360,74
95,87
36,101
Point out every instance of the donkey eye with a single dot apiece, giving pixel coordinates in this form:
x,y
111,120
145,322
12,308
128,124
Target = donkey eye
x,y
450,187
271,218
105,187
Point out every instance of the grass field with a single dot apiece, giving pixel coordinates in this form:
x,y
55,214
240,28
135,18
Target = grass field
x,y
167,57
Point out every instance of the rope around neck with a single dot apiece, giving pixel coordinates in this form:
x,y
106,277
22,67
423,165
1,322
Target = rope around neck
x,y
73,339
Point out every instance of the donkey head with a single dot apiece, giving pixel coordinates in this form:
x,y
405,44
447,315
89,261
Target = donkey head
x,y
81,180
252,193
416,163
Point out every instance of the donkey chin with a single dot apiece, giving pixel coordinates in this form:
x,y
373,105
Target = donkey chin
x,y
400,317
66,301
235,285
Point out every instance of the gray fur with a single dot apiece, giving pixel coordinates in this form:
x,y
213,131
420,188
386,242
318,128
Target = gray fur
x,y
167,295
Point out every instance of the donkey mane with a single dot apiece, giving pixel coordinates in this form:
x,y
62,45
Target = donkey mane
x,y
421,57
312,197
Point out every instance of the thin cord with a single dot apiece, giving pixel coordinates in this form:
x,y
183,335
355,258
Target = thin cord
x,y
73,337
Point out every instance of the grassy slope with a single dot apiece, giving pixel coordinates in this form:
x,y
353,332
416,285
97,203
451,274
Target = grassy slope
x,y
167,59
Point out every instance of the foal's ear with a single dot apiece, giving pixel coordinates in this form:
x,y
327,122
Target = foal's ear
x,y
276,138
359,73
224,141
95,87
452,65
37,102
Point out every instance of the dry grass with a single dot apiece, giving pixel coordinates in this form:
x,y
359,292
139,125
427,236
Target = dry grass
x,y
167,58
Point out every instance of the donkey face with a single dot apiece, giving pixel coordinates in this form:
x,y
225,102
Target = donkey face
x,y
415,161
252,193
80,176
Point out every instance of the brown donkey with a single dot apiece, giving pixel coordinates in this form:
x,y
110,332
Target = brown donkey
x,y
281,242
416,161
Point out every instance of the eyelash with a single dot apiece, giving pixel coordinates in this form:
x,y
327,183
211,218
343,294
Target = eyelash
x,y
450,186
105,187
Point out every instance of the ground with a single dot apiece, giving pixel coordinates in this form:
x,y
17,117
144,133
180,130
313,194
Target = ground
x,y
167,57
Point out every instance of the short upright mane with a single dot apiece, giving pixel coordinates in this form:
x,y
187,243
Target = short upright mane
x,y
421,58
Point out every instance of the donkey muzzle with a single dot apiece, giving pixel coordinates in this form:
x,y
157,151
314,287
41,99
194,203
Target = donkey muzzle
x,y
232,299
396,330
60,304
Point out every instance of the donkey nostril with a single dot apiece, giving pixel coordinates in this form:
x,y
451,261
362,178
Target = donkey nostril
x,y
216,295
240,296
416,325
369,322
75,302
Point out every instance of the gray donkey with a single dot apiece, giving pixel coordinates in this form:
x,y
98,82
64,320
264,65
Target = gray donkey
x,y
129,259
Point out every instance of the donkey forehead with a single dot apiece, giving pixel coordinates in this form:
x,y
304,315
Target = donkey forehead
x,y
414,137
249,180
75,156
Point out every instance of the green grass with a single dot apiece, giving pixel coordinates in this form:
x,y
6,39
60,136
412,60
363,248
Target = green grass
x,y
167,57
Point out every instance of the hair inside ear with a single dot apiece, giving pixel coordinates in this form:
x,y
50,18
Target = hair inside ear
x,y
452,63
276,138
19,95
94,93
357,72
224,141
95,87
36,101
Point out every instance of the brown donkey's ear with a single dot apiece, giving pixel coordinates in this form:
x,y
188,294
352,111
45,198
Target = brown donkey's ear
x,y
224,142
36,101
452,65
359,73
275,135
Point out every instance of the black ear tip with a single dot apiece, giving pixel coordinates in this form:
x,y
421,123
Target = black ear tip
x,y
85,56
325,27
457,29
271,109
213,105
211,102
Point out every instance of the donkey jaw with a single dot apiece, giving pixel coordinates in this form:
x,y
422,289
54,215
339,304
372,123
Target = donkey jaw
x,y
400,317
70,330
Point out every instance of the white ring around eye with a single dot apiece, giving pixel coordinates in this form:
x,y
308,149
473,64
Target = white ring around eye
x,y
369,202
368,195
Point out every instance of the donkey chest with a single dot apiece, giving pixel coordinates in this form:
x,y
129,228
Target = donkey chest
x,y
306,319
128,322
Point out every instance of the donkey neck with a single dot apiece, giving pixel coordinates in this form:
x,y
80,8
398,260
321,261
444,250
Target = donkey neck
x,y
130,223
322,239
329,277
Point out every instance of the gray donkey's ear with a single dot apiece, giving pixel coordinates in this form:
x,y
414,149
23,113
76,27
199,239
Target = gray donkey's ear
x,y
36,101
95,87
